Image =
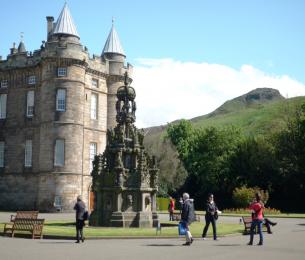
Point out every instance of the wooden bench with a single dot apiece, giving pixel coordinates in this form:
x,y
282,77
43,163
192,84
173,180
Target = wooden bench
x,y
24,214
247,222
34,226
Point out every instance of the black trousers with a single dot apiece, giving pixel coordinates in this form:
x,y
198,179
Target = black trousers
x,y
209,219
171,216
268,223
79,229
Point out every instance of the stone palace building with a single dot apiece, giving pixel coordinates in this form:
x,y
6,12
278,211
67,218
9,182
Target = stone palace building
x,y
56,105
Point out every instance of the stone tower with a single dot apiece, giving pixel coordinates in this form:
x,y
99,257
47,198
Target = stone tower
x,y
125,177
113,52
55,107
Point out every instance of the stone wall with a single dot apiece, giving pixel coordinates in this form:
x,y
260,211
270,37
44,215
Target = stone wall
x,y
18,191
38,187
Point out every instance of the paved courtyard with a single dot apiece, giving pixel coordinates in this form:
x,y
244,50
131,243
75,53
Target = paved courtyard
x,y
287,243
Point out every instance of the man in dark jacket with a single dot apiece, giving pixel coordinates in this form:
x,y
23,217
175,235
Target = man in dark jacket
x,y
211,216
80,209
187,217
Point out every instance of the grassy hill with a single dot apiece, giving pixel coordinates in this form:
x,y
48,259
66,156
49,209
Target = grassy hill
x,y
252,112
259,112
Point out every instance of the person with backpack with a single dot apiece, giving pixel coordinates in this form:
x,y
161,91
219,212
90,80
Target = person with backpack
x,y
257,208
211,215
187,217
81,216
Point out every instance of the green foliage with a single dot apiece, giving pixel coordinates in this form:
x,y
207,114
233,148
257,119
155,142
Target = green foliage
x,y
290,153
172,173
254,164
181,136
205,154
262,119
243,196
245,211
265,149
162,203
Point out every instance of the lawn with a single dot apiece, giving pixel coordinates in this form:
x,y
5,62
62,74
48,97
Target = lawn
x,y
67,229
248,213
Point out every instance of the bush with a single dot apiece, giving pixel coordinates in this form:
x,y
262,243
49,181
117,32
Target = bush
x,y
243,196
162,203
245,211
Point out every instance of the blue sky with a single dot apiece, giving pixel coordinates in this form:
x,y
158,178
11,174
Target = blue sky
x,y
267,36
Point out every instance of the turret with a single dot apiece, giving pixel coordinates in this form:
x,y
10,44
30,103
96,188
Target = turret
x,y
64,26
114,54
113,49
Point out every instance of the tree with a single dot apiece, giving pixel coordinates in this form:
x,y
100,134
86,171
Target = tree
x,y
172,173
206,156
290,151
181,135
254,164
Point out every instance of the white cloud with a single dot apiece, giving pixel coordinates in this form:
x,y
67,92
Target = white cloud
x,y
168,89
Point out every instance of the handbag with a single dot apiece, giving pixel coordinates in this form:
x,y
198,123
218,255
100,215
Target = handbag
x,y
182,228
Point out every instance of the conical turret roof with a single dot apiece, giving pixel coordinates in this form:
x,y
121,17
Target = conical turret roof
x,y
21,47
65,24
113,44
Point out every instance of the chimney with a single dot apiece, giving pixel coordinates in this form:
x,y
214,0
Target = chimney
x,y
50,20
13,49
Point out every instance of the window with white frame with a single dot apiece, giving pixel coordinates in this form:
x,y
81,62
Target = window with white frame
x,y
3,98
28,153
59,152
32,80
30,103
94,83
93,106
92,153
61,100
4,83
61,71
1,154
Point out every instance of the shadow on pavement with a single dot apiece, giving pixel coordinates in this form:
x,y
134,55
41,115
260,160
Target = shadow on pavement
x,y
57,242
161,245
229,245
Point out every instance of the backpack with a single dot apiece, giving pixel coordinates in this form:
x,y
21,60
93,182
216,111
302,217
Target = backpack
x,y
86,215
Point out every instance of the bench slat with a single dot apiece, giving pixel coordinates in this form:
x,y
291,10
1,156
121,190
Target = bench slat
x,y
35,226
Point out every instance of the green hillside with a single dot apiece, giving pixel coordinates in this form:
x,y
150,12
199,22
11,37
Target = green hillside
x,y
259,112
253,116
254,119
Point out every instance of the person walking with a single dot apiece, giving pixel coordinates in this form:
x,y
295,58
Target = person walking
x,y
171,208
211,215
257,208
80,209
187,217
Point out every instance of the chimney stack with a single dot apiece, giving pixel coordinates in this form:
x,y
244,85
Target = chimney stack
x,y
50,20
